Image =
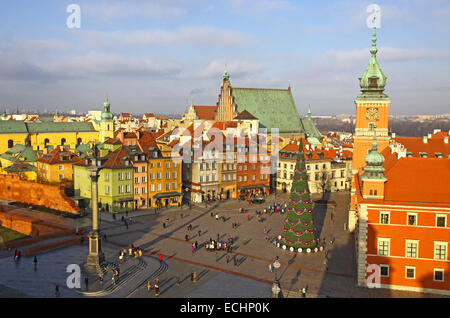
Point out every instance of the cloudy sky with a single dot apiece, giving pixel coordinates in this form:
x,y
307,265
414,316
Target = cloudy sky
x,y
158,55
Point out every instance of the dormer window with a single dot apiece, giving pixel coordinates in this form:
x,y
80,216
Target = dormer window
x,y
423,155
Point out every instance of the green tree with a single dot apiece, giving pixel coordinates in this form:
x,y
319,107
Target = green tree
x,y
299,230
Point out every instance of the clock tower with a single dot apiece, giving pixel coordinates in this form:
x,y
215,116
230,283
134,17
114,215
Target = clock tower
x,y
372,109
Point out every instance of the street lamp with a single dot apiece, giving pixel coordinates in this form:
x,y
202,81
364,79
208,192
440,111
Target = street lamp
x,y
276,284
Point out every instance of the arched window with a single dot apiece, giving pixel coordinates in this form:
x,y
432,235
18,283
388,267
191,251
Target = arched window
x,y
63,141
46,141
79,141
10,143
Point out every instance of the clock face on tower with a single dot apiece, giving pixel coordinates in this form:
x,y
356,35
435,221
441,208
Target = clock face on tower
x,y
372,113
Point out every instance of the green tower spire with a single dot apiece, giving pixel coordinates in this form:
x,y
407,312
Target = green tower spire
x,y
106,114
373,81
374,163
299,229
225,74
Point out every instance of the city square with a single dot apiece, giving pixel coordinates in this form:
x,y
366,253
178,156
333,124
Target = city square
x,y
216,278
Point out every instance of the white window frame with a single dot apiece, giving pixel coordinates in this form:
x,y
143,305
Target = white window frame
x,y
107,189
383,239
406,272
445,220
388,269
436,244
407,219
434,274
406,248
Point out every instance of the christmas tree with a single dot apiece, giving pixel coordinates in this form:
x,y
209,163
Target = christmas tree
x,y
299,230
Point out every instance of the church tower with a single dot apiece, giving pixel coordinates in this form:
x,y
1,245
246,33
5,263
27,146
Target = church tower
x,y
226,108
106,123
372,110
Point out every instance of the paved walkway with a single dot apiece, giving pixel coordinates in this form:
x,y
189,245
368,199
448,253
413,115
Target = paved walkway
x,y
217,277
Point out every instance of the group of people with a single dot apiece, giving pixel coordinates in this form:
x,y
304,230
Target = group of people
x,y
149,286
133,251
213,245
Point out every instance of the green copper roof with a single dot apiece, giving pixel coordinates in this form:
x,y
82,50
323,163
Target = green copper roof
x,y
20,167
275,108
225,75
60,127
13,127
373,81
310,128
106,114
374,163
20,153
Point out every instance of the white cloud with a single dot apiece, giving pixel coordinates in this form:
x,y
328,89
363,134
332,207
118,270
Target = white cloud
x,y
202,36
99,64
236,68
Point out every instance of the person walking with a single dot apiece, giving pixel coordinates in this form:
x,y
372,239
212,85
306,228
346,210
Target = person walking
x,y
199,233
270,268
217,217
35,261
149,285
304,292
157,287
248,217
193,248
160,257
228,258
235,260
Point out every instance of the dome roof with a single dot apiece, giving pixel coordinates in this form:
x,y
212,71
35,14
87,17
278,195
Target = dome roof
x,y
106,114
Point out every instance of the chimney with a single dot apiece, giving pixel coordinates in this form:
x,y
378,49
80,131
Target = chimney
x,y
425,140
393,135
429,136
446,140
436,131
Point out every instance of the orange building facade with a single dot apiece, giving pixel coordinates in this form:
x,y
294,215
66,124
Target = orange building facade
x,y
400,198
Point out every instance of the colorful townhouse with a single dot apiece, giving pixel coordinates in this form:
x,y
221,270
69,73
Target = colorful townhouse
x,y
56,166
253,170
163,174
328,169
140,184
115,182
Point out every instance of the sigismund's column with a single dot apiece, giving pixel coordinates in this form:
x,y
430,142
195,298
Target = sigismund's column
x,y
96,256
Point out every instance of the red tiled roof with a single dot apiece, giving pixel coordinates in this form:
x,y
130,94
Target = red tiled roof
x,y
57,156
148,115
115,159
419,180
145,141
245,115
129,135
327,154
113,141
205,112
415,145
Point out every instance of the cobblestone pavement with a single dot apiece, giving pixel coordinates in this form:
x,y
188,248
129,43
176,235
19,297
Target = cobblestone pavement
x,y
218,278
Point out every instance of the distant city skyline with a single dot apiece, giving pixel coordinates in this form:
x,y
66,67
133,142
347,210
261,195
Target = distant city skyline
x,y
158,56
